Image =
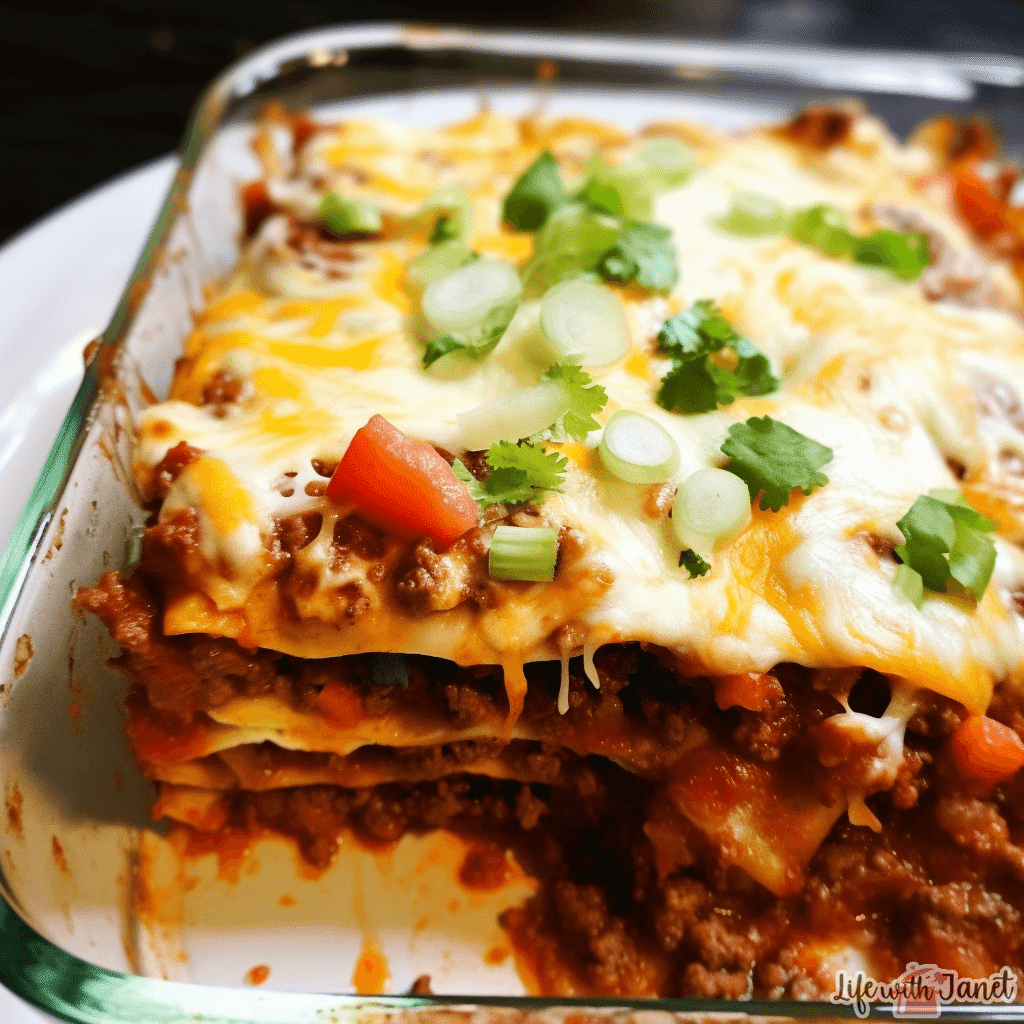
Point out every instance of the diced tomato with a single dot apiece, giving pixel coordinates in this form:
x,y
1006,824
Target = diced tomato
x,y
403,485
750,690
979,200
986,749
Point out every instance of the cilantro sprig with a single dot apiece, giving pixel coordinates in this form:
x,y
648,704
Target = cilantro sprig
x,y
946,544
586,400
521,473
696,383
693,563
772,459
643,253
525,472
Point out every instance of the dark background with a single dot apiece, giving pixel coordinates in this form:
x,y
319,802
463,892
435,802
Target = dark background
x,y
89,88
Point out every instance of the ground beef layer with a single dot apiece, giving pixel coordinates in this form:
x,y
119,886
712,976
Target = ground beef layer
x,y
635,898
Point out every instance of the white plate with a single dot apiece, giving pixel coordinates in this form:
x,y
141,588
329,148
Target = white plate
x,y
59,282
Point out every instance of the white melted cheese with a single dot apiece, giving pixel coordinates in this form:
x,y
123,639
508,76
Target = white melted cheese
x,y
890,381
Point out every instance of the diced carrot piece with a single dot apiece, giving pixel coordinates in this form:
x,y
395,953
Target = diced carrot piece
x,y
340,704
750,690
403,485
986,749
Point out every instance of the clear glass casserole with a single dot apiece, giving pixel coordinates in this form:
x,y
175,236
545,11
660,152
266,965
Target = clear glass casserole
x,y
74,803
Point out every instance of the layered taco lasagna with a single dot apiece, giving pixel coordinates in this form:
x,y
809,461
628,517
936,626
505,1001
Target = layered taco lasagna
x,y
647,506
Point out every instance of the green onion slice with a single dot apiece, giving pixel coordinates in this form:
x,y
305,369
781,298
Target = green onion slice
x,y
824,227
451,212
346,215
711,507
519,415
436,262
638,449
584,323
669,162
909,583
463,299
523,553
754,214
903,253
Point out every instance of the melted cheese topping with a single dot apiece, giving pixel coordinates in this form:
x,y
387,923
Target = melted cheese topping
x,y
895,384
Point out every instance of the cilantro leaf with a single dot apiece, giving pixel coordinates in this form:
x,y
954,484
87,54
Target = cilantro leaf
x,y
441,347
689,387
698,384
535,195
772,458
944,541
586,400
643,253
693,564
520,473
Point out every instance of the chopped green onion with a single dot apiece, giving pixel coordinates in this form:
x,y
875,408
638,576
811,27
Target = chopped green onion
x,y
389,670
824,227
436,262
638,449
446,228
452,211
903,253
654,167
523,553
133,547
585,323
348,215
754,214
600,197
909,583
519,415
669,162
463,299
536,194
972,559
711,507
632,184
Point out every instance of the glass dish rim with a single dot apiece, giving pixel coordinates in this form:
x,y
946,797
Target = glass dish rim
x,y
48,977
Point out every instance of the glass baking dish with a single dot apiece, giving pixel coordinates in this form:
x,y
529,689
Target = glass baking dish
x,y
75,825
